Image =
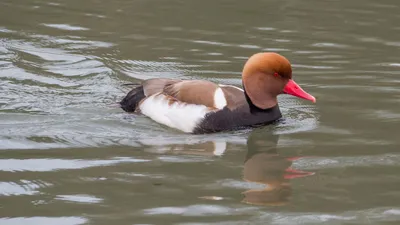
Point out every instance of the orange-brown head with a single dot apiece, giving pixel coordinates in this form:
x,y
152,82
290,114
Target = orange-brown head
x,y
266,75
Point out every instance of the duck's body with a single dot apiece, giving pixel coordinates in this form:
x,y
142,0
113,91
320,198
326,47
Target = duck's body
x,y
198,106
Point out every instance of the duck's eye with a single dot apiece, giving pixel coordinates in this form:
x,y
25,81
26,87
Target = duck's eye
x,y
276,74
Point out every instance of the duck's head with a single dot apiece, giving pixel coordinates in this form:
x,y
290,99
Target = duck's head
x,y
266,75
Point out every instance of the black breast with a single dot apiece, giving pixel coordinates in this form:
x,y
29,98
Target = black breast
x,y
247,115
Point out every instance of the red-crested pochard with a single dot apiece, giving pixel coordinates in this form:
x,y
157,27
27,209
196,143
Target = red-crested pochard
x,y
199,106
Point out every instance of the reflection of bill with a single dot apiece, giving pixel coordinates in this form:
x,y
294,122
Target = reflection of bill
x,y
263,165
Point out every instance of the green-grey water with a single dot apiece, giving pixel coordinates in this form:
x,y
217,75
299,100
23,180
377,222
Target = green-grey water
x,y
70,156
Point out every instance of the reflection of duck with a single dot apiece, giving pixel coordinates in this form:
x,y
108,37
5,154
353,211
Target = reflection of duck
x,y
199,106
201,145
265,166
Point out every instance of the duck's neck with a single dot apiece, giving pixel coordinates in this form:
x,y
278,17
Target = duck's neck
x,y
254,108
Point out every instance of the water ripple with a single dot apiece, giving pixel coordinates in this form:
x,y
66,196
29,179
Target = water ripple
x,y
65,27
43,220
79,198
41,165
342,162
23,187
197,210
21,75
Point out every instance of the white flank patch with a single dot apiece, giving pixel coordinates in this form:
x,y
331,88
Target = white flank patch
x,y
223,85
179,115
219,99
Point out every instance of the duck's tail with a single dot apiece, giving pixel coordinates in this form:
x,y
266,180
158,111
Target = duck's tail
x,y
132,99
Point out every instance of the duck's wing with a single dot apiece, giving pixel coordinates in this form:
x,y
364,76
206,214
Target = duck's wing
x,y
157,85
198,92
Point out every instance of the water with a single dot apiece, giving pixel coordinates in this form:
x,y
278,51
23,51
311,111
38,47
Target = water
x,y
69,155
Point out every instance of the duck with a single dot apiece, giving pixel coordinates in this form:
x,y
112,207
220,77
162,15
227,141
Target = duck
x,y
202,106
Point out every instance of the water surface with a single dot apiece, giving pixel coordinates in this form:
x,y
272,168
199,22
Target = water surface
x,y
69,155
